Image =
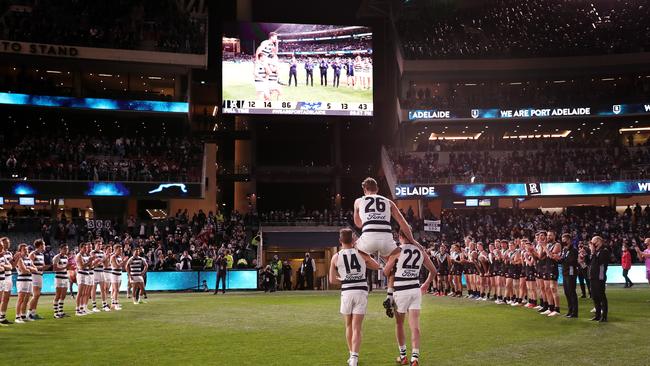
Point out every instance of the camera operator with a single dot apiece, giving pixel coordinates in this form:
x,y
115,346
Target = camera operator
x,y
584,258
569,272
645,255
268,279
598,277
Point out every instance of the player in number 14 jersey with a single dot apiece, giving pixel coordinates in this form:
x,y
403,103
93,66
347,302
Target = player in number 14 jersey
x,y
348,267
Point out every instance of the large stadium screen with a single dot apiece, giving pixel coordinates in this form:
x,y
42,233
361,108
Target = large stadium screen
x,y
306,69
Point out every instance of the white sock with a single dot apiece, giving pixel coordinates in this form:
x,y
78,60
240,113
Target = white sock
x,y
402,351
415,354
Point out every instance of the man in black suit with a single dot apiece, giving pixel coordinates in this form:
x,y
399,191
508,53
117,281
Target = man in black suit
x,y
598,276
569,273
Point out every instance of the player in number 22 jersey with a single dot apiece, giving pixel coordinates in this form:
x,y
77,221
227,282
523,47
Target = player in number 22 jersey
x,y
408,294
348,267
372,214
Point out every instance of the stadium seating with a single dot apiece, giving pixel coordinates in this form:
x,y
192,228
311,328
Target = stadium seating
x,y
496,160
512,28
526,92
61,152
143,24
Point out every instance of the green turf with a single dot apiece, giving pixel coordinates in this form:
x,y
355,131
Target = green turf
x,y
238,83
301,328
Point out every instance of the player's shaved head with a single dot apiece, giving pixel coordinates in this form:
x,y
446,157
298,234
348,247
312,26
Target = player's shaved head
x,y
345,236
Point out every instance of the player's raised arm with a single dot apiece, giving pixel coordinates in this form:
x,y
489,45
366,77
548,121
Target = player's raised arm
x,y
403,225
388,268
333,277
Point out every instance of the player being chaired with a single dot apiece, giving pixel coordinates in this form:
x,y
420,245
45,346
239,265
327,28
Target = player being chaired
x,y
372,214
408,294
348,267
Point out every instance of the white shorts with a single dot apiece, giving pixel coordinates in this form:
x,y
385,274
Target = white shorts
x,y
408,300
99,277
84,279
61,283
3,286
108,277
116,278
24,286
262,86
37,280
371,243
354,302
8,283
138,279
273,85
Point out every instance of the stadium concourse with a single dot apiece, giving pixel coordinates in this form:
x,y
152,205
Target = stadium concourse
x,y
358,183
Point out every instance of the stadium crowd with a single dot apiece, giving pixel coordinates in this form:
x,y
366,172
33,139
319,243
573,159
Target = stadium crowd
x,y
142,24
486,225
552,162
93,157
179,242
549,92
536,28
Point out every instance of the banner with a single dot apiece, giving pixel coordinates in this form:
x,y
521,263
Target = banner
x,y
432,225
529,112
536,189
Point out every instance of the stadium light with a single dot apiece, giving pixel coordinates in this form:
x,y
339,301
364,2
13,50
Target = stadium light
x,y
561,134
635,129
435,136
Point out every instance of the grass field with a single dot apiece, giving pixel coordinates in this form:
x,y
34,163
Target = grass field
x,y
304,328
238,84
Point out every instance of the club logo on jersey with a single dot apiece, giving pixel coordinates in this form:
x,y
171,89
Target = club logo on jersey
x,y
475,113
410,273
616,108
355,277
376,216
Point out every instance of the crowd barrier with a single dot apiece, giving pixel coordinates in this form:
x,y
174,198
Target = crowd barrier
x,y
236,279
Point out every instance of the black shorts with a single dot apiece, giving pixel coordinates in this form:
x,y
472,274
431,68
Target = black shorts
x,y
443,272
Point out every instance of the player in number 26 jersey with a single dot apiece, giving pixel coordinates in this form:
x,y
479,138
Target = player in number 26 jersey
x,y
372,214
348,267
408,294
